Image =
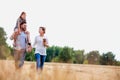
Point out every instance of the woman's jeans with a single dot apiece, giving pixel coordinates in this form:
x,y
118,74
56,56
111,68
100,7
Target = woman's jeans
x,y
40,59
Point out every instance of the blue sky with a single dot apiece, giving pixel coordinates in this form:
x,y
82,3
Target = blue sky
x,y
81,24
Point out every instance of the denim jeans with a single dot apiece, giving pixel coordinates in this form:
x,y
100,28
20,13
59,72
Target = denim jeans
x,y
19,56
40,59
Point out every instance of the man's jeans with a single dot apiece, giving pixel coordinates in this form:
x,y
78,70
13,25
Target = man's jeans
x,y
40,59
19,56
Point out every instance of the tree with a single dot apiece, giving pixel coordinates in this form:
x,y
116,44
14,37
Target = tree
x,y
107,58
2,37
78,56
117,63
52,53
11,50
4,49
30,56
93,57
66,55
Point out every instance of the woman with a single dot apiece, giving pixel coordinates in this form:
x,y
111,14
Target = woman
x,y
40,44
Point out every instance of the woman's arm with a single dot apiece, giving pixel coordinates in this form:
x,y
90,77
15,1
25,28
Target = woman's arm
x,y
35,42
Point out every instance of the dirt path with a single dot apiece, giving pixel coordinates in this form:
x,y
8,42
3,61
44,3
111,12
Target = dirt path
x,y
58,71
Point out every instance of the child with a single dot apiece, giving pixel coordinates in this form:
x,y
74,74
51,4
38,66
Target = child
x,y
22,18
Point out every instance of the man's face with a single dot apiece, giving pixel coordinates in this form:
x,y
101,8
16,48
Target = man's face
x,y
24,27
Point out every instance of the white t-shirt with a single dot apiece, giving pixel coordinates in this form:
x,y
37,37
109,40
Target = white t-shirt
x,y
38,45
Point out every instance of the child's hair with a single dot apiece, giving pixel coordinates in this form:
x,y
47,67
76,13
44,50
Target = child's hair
x,y
22,14
43,28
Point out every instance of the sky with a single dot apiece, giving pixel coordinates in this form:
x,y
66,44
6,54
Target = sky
x,y
80,24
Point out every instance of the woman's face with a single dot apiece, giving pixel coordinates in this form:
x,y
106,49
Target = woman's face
x,y
41,31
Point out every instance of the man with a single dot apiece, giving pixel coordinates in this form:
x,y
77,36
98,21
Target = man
x,y
22,43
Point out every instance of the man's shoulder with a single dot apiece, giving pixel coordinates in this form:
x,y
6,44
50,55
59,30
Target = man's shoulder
x,y
27,32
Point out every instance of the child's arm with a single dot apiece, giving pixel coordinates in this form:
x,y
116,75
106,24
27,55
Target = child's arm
x,y
18,27
12,36
17,31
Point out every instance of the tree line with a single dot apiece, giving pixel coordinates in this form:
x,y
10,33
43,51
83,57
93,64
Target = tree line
x,y
61,54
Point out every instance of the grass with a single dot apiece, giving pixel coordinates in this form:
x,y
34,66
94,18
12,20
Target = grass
x,y
58,71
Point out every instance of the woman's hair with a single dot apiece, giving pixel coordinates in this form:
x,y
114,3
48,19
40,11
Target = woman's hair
x,y
43,28
22,14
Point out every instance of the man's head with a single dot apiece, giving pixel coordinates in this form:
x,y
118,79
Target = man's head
x,y
23,26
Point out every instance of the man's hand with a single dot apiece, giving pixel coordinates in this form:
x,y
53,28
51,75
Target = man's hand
x,y
29,48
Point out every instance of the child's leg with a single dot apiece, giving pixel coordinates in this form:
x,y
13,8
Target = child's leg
x,y
12,36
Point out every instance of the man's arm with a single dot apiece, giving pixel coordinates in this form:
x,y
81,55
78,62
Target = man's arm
x,y
28,37
29,47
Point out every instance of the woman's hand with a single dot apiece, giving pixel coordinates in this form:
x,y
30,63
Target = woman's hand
x,y
45,43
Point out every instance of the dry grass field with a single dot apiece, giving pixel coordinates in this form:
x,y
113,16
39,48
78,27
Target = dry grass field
x,y
58,71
